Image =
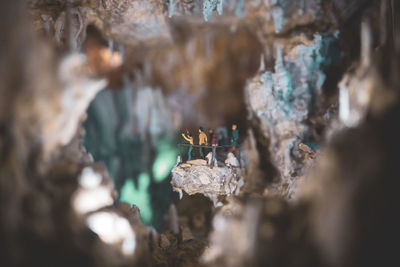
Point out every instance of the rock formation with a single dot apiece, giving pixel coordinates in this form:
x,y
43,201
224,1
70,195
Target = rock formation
x,y
196,177
94,94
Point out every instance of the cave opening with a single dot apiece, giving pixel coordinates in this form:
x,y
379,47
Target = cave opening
x,y
138,160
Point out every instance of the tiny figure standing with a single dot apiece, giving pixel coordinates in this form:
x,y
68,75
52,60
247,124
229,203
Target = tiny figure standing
x,y
234,139
189,138
202,141
214,144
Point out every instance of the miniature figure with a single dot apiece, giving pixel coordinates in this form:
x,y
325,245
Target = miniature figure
x,y
234,139
202,141
189,138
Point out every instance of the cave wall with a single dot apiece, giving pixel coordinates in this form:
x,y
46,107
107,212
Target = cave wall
x,y
312,84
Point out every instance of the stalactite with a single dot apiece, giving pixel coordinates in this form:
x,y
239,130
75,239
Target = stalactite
x,y
122,53
210,5
239,10
278,17
262,63
366,44
171,8
284,84
220,6
344,106
208,8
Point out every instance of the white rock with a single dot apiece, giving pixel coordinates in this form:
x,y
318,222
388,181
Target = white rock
x,y
198,162
211,182
209,158
204,179
231,160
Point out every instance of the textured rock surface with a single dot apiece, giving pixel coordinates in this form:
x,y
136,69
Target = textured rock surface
x,y
196,177
283,102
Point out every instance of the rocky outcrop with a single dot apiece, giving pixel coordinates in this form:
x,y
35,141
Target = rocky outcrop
x,y
196,177
284,101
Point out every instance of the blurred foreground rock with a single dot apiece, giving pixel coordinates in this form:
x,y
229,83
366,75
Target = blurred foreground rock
x,y
261,232
56,204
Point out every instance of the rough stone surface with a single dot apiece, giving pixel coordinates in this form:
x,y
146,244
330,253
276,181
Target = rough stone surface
x,y
211,182
283,101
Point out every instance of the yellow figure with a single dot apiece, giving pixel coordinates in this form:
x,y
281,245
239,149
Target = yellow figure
x,y
202,141
188,138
